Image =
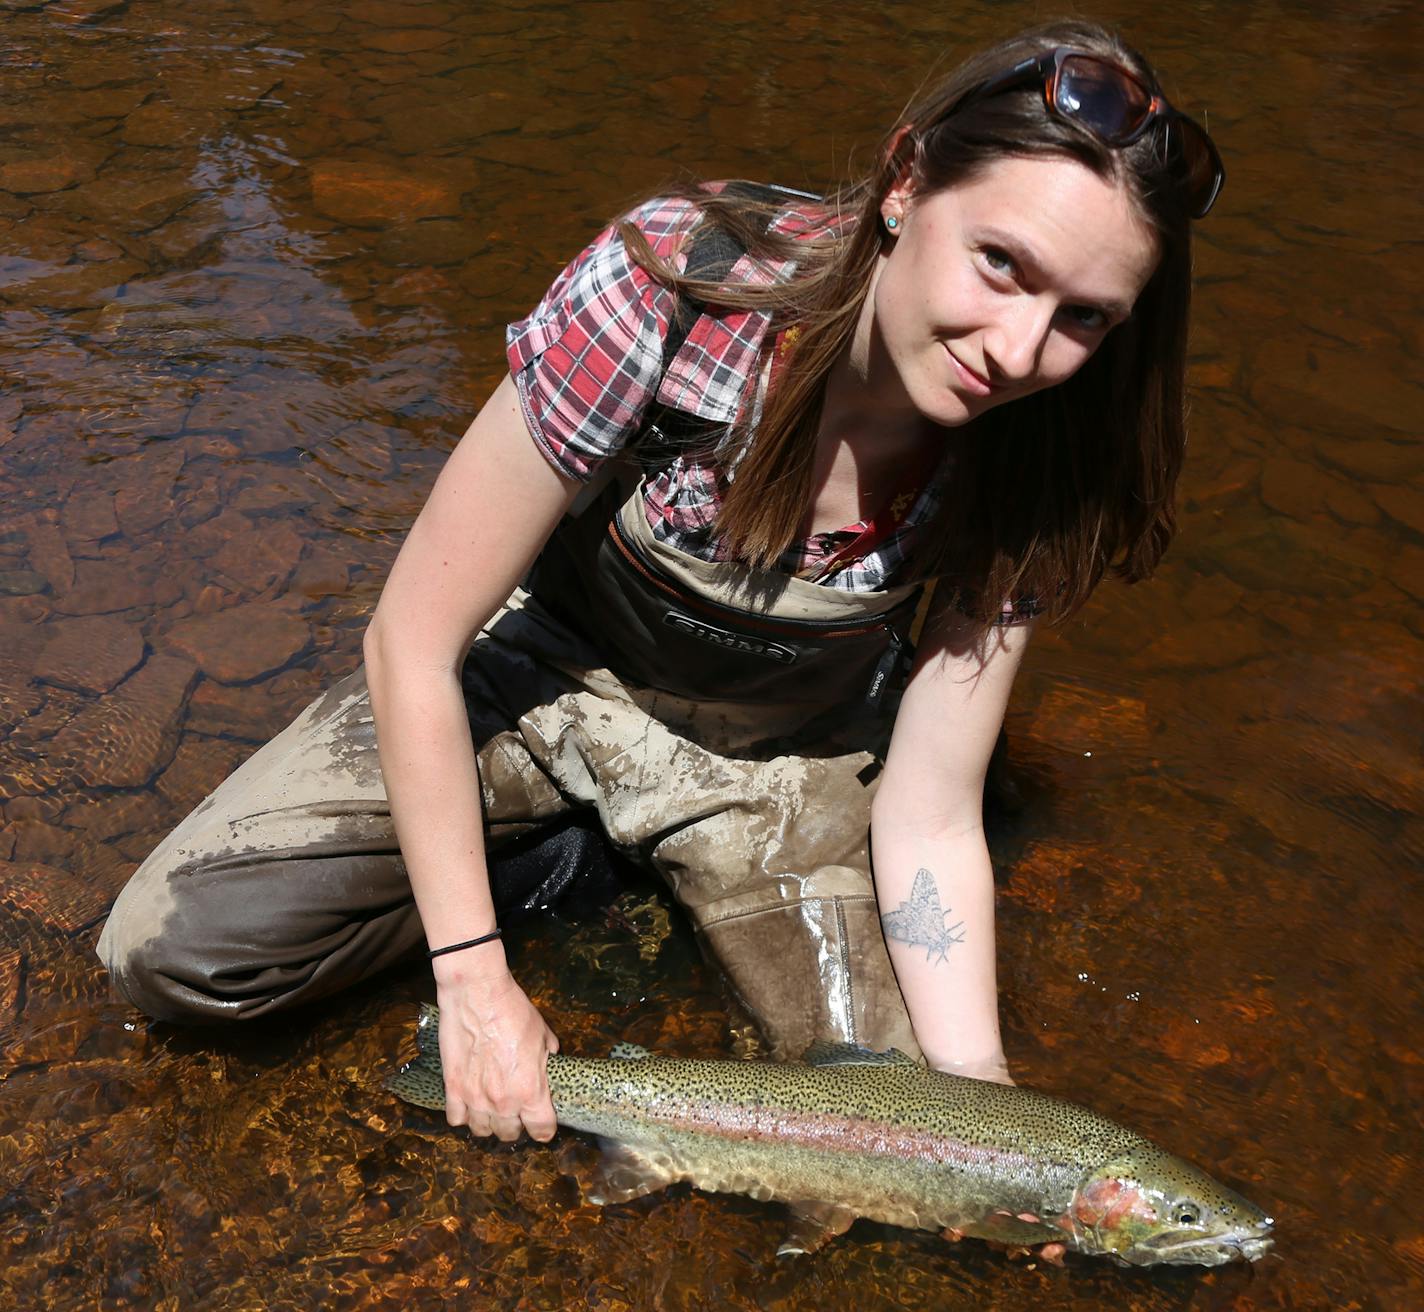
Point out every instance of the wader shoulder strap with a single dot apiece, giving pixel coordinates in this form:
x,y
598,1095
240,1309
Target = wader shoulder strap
x,y
713,254
711,257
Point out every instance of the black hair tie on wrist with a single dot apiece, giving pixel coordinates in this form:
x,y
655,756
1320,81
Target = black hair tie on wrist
x,y
469,943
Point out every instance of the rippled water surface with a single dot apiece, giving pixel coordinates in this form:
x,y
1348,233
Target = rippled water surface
x,y
255,260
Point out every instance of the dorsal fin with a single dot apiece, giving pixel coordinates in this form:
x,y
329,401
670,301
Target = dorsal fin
x,y
629,1052
829,1052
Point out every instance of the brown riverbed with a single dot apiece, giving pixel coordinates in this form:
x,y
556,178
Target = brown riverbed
x,y
255,261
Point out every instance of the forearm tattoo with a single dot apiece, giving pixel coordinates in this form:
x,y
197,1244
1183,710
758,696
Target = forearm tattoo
x,y
919,921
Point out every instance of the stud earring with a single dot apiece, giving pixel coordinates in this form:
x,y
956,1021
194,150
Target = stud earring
x,y
892,224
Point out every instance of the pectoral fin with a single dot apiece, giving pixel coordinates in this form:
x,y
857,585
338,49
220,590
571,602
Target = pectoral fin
x,y
1005,1228
813,1225
623,1173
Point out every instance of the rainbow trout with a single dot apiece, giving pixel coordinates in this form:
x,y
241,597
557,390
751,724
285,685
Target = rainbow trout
x,y
852,1133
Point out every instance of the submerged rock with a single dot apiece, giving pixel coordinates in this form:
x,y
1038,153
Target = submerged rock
x,y
55,898
1404,504
1078,720
372,195
49,554
166,126
90,654
408,42
241,644
90,517
12,965
104,586
32,177
129,735
21,582
259,560
199,766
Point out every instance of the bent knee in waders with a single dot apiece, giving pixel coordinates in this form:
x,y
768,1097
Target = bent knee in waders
x,y
242,935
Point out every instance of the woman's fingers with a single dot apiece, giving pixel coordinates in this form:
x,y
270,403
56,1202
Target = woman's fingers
x,y
506,1128
540,1122
495,1046
536,1117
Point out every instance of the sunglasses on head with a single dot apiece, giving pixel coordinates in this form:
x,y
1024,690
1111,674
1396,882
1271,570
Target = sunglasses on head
x,y
1117,107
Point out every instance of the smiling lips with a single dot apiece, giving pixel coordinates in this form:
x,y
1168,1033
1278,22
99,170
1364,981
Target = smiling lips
x,y
976,383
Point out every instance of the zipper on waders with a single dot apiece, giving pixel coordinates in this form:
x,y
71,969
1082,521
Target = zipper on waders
x,y
885,669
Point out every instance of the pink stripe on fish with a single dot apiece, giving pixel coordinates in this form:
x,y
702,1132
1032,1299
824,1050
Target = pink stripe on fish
x,y
830,1131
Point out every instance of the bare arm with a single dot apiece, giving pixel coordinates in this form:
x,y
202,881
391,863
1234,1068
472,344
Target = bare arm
x,y
494,505
933,878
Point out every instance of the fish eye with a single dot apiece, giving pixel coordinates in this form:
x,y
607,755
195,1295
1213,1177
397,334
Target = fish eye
x,y
1186,1216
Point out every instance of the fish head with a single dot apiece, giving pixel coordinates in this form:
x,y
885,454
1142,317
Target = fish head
x,y
1148,1207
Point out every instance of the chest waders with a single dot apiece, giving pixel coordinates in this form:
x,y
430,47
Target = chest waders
x,y
723,727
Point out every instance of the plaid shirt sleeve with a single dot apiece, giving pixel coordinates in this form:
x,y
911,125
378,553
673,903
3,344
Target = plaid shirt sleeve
x,y
588,359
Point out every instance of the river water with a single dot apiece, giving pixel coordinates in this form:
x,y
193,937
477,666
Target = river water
x,y
255,261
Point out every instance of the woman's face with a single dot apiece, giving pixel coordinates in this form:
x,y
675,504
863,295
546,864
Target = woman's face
x,y
1000,285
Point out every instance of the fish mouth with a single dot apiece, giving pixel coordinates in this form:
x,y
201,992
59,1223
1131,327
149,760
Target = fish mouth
x,y
1199,1250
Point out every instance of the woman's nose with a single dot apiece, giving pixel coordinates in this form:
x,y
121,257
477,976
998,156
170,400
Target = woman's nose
x,y
1013,347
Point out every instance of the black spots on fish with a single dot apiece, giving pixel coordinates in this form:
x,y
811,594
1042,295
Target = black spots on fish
x,y
825,1052
629,1052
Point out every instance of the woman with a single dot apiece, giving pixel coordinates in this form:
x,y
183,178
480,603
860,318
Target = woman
x,y
973,358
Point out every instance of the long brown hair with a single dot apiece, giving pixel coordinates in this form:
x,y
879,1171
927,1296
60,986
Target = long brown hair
x,y
1048,491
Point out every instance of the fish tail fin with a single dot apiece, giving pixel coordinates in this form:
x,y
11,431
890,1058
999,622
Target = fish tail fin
x,y
422,1081
427,1031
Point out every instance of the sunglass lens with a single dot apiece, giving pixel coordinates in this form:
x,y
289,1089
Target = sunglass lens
x,y
1100,96
1192,153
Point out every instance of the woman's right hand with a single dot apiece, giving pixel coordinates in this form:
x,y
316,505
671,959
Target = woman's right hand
x,y
491,510
494,1047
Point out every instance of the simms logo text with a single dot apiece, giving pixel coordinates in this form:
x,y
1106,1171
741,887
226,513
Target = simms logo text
x,y
772,651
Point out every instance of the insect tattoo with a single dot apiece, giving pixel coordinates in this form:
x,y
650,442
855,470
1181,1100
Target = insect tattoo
x,y
919,921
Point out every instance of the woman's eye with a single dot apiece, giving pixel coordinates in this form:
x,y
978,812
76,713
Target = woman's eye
x,y
997,260
1087,316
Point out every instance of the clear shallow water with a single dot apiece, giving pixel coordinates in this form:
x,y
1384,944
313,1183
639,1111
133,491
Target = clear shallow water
x,y
255,260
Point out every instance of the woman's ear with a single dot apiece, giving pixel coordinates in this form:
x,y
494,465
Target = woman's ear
x,y
900,156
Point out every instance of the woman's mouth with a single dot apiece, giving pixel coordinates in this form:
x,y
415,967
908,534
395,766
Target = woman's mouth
x,y
973,382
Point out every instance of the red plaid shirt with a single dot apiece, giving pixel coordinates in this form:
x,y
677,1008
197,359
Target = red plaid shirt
x,y
588,363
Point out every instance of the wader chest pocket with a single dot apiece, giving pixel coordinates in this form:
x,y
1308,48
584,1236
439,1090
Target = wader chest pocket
x,y
656,629
675,639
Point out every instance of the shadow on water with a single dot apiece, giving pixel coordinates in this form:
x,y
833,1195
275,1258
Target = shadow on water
x,y
255,260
